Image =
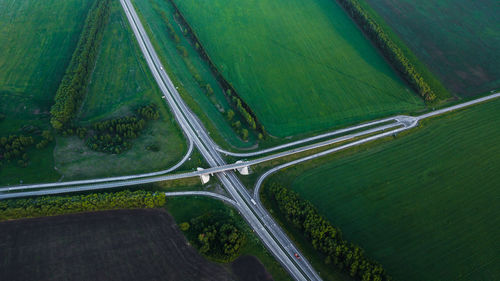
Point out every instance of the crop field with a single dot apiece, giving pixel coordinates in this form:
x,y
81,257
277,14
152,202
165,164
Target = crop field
x,y
183,209
34,52
424,204
121,82
109,245
458,39
302,66
209,109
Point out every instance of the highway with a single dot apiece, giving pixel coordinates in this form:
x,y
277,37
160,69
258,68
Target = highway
x,y
401,121
279,245
261,222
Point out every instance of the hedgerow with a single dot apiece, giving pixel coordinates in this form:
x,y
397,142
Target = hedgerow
x,y
74,83
59,205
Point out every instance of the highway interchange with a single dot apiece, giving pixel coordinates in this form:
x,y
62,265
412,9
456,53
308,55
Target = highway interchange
x,y
248,205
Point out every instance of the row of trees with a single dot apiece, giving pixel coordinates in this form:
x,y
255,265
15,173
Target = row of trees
x,y
58,205
215,235
74,83
324,237
234,99
390,50
115,135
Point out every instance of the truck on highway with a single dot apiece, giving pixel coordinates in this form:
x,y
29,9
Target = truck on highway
x,y
253,201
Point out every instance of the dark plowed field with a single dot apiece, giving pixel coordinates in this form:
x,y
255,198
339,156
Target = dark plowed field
x,y
111,245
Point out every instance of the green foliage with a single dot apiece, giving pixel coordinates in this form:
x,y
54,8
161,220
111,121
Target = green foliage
x,y
74,83
113,136
390,50
58,205
14,147
326,238
149,112
217,236
184,226
230,114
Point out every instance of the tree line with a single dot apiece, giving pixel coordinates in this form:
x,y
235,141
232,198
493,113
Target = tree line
x,y
74,82
390,50
233,97
324,237
215,235
59,205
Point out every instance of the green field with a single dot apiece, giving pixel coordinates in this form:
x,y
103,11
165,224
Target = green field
x,y
37,39
458,39
183,209
121,82
37,44
424,204
302,66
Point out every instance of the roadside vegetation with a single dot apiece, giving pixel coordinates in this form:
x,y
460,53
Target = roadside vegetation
x,y
424,198
208,94
458,40
325,238
231,95
59,205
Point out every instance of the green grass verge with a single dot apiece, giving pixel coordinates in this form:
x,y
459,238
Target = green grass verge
x,y
185,208
121,83
458,39
210,110
423,204
302,66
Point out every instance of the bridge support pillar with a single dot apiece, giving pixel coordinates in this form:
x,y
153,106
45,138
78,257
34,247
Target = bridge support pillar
x,y
244,170
204,178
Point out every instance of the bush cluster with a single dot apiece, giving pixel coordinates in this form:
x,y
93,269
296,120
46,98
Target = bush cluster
x,y
390,50
74,83
324,237
115,135
14,147
58,205
215,236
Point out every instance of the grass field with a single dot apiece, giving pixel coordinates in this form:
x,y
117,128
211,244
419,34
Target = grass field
x,y
109,245
423,204
209,110
459,40
302,66
121,82
34,52
183,209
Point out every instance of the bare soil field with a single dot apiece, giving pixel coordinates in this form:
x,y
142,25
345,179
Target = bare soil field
x,y
141,244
